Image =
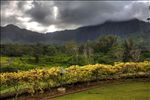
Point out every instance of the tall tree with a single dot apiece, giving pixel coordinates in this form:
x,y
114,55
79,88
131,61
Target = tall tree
x,y
37,52
88,53
131,52
105,43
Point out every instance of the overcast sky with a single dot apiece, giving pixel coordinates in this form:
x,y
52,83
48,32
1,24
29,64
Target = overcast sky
x,y
49,16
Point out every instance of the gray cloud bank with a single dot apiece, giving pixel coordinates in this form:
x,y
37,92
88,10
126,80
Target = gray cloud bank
x,y
45,16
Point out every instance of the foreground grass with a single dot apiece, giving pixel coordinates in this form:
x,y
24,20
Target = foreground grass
x,y
114,91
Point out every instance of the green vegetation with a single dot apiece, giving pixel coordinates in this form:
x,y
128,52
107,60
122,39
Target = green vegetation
x,y
37,67
14,64
113,91
37,80
106,50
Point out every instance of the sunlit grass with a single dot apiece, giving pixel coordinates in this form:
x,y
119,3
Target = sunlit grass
x,y
115,91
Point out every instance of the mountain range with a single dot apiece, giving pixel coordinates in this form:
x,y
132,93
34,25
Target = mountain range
x,y
124,29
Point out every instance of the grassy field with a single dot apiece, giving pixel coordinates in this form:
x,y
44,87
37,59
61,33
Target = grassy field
x,y
114,91
11,64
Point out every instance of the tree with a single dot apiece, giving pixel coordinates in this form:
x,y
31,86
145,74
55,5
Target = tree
x,y
131,53
73,49
105,43
49,50
135,54
37,52
128,46
88,53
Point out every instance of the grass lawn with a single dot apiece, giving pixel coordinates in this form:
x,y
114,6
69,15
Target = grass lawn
x,y
114,91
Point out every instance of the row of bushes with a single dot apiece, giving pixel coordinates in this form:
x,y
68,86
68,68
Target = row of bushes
x,y
38,79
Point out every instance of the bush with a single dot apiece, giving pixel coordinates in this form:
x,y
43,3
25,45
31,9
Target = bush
x,y
57,76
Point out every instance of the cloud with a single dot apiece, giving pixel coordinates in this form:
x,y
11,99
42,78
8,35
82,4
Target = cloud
x,y
10,12
42,12
40,15
86,13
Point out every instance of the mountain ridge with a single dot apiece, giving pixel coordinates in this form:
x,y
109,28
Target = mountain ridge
x,y
15,34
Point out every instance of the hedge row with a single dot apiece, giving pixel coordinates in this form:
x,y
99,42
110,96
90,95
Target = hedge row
x,y
38,79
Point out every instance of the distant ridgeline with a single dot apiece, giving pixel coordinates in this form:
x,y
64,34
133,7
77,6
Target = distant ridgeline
x,y
134,28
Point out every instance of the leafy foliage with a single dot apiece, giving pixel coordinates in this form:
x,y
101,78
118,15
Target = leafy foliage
x,y
55,76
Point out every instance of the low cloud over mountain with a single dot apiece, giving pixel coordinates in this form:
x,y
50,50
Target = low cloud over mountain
x,y
49,16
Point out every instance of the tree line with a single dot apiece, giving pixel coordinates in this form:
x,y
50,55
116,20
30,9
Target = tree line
x,y
105,49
